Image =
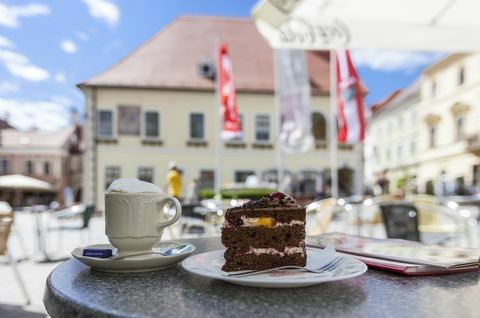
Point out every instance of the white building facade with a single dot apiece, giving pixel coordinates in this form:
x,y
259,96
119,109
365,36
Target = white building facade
x,y
392,140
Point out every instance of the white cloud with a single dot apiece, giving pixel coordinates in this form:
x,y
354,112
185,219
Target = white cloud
x,y
6,43
393,61
104,10
60,77
82,36
62,100
9,15
68,46
8,87
44,115
19,65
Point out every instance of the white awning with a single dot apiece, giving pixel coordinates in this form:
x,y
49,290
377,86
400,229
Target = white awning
x,y
21,182
428,25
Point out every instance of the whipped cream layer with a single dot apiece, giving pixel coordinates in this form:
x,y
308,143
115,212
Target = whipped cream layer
x,y
132,185
273,251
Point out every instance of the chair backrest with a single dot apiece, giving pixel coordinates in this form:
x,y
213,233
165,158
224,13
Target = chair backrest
x,y
386,198
401,221
426,206
87,215
6,221
323,213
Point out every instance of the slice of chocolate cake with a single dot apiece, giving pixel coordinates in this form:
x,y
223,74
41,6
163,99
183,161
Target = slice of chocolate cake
x,y
264,234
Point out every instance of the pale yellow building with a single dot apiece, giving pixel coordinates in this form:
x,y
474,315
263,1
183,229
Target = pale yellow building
x,y
158,104
391,144
450,118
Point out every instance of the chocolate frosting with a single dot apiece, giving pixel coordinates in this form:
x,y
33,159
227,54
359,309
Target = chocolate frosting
x,y
274,200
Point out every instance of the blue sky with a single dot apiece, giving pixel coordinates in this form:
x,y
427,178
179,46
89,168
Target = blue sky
x,y
48,46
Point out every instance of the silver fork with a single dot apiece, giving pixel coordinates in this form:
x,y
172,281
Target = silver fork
x,y
328,268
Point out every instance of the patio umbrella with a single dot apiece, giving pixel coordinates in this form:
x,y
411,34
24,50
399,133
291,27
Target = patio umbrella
x,y
431,25
21,182
438,25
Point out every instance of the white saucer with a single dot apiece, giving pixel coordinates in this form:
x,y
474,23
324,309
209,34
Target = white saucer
x,y
210,265
140,263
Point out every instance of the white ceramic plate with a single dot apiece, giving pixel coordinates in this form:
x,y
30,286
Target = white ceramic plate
x,y
209,265
140,263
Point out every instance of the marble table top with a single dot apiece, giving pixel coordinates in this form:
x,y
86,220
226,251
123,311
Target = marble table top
x,y
74,290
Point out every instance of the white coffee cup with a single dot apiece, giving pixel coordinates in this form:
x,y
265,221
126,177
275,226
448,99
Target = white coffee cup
x,y
134,222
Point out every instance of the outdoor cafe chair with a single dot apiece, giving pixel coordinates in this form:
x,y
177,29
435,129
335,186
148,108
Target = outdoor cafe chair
x,y
6,222
439,219
319,215
85,212
363,215
400,220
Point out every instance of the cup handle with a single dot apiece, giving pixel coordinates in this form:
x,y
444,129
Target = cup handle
x,y
178,212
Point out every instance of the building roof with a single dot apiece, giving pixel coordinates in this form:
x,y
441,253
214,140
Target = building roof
x,y
12,138
397,98
4,124
169,59
384,102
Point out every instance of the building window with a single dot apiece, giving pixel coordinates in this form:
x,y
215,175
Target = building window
x,y
414,116
4,166
399,152
262,128
413,147
461,75
400,121
129,120
29,167
197,130
319,127
241,175
207,179
242,125
152,125
105,124
434,89
432,134
390,127
145,174
460,128
46,168
376,154
111,173
388,155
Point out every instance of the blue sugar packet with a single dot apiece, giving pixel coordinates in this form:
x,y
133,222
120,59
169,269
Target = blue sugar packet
x,y
97,252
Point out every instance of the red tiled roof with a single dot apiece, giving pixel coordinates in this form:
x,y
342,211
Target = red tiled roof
x,y
169,59
387,100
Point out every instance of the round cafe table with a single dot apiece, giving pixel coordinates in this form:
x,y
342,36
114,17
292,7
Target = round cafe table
x,y
74,290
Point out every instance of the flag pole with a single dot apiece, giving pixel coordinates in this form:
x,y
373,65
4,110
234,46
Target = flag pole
x,y
278,115
333,127
218,120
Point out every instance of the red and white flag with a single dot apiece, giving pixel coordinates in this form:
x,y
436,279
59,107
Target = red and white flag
x,y
228,98
350,92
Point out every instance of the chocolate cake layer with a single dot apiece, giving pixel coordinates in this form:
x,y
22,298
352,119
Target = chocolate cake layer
x,y
276,237
283,215
263,261
231,252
